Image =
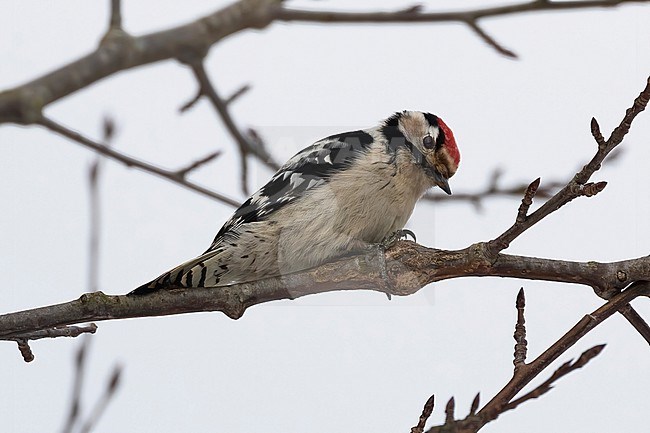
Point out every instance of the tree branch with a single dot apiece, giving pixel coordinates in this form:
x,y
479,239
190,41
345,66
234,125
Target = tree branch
x,y
577,187
524,373
174,176
245,145
470,17
191,41
402,270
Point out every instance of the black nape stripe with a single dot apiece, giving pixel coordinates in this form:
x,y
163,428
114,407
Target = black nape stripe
x,y
432,119
353,138
440,140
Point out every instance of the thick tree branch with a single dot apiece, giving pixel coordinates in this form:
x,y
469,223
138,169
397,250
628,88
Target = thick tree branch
x,y
402,270
191,41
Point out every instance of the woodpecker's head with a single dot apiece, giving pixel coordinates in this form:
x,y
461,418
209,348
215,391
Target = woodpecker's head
x,y
430,141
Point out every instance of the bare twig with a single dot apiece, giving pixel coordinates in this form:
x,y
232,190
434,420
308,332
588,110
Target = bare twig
x,y
637,321
133,162
521,345
562,371
24,349
490,40
101,404
494,189
577,186
469,18
77,386
60,331
237,94
426,413
95,211
75,403
505,400
182,173
526,373
449,411
116,15
245,145
475,404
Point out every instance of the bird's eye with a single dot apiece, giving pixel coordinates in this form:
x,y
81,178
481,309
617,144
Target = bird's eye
x,y
428,142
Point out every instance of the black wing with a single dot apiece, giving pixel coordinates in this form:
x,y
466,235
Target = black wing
x,y
308,169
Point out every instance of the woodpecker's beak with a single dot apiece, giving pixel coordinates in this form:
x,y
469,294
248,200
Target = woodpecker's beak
x,y
442,182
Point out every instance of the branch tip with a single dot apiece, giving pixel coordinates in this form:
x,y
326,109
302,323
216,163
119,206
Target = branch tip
x,y
426,413
521,345
449,411
588,355
521,299
475,404
595,131
527,200
237,94
591,189
473,24
108,125
25,350
115,379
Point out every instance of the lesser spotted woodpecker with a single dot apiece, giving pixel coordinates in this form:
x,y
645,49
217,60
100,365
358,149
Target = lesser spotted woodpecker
x,y
334,197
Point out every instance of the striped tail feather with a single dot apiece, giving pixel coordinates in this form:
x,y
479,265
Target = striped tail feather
x,y
192,273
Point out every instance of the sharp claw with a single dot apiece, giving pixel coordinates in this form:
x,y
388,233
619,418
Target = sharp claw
x,y
404,233
392,238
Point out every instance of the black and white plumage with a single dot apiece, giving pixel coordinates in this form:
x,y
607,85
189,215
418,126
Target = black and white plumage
x,y
334,197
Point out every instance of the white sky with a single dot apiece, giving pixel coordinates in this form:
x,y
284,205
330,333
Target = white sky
x,y
336,362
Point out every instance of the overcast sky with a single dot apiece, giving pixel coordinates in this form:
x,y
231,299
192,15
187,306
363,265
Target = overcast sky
x,y
337,362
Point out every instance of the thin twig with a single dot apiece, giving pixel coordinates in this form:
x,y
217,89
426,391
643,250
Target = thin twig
x,y
469,18
95,209
75,403
237,94
24,349
492,190
562,371
245,145
449,411
521,345
577,186
133,162
504,400
24,338
183,172
101,404
475,404
490,40
70,331
77,386
426,413
116,15
526,373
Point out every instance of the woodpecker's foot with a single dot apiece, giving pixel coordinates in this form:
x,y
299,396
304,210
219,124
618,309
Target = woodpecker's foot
x,y
392,238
